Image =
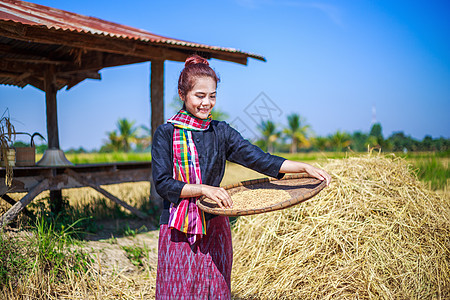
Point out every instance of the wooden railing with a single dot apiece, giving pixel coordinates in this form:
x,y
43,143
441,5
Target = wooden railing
x,y
34,180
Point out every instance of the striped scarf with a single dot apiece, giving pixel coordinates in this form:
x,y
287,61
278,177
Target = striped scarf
x,y
186,216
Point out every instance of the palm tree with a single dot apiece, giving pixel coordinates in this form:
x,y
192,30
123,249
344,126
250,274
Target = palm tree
x,y
297,131
144,140
340,140
127,133
218,114
270,135
113,142
321,143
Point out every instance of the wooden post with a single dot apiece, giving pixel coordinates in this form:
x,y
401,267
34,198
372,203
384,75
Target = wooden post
x,y
50,100
157,112
157,94
52,127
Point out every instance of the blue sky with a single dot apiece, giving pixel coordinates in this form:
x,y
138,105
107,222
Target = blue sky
x,y
332,62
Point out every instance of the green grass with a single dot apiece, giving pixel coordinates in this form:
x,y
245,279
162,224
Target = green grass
x,y
135,254
127,231
15,260
44,250
91,158
54,253
84,217
313,156
96,158
434,172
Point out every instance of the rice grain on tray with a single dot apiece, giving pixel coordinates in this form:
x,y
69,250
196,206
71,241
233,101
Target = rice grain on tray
x,y
258,198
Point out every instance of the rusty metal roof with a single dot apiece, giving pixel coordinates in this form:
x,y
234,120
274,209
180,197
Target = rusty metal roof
x,y
52,18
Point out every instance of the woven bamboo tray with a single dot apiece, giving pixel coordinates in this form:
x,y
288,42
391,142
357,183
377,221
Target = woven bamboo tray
x,y
300,187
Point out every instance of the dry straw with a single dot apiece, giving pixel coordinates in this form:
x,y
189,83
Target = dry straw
x,y
375,233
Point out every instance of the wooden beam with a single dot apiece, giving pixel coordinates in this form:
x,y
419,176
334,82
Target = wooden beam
x,y
23,76
74,82
79,75
95,60
45,52
39,84
26,178
37,61
9,74
12,213
157,94
50,99
13,202
19,67
105,193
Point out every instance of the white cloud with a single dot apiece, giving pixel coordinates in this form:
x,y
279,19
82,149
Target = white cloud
x,y
331,11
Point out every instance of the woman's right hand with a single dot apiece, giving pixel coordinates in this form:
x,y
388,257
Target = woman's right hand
x,y
218,194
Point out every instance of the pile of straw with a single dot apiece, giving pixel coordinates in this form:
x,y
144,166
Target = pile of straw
x,y
376,232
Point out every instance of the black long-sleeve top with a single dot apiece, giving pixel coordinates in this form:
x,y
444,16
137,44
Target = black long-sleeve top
x,y
214,146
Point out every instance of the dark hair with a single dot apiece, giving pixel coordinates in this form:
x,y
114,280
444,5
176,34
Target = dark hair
x,y
195,66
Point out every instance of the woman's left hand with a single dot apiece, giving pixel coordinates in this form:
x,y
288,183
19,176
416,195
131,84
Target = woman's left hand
x,y
290,166
318,173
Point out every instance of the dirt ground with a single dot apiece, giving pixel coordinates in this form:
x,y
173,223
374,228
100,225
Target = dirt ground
x,y
107,245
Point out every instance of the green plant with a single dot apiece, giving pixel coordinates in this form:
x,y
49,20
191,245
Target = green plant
x,y
433,172
45,251
112,240
55,253
81,216
135,254
15,259
127,231
7,137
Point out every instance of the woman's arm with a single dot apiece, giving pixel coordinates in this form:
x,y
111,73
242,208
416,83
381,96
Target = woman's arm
x,y
290,166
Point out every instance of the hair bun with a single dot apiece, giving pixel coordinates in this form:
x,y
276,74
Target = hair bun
x,y
195,59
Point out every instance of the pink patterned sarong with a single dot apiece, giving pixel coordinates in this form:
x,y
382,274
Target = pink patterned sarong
x,y
200,271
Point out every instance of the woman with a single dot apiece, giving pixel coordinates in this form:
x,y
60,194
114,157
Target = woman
x,y
189,153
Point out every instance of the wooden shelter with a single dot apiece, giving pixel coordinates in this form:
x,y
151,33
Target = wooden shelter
x,y
51,49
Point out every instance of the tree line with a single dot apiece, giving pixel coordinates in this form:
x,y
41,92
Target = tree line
x,y
297,136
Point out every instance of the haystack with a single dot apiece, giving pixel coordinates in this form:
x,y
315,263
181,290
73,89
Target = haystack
x,y
375,233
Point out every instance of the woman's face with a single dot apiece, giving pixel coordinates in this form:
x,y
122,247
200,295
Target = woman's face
x,y
201,99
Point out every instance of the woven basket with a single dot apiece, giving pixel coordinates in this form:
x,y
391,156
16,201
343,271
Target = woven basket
x,y
300,187
25,156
